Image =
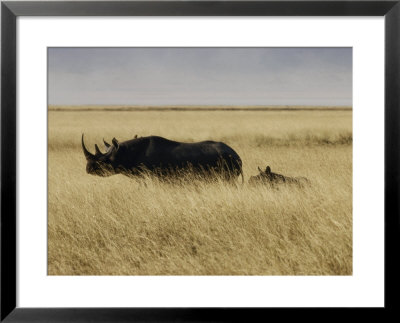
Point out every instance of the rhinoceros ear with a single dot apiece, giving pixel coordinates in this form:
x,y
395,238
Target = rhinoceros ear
x,y
268,170
106,144
115,143
135,137
259,169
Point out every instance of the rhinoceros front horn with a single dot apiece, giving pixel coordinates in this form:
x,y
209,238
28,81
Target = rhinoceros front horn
x,y
88,155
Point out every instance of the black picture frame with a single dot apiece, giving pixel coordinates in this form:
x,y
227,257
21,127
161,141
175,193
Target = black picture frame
x,y
10,10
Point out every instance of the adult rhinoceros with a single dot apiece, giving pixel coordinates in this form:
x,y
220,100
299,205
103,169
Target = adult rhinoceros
x,y
161,156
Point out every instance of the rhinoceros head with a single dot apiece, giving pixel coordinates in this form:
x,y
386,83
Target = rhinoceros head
x,y
101,164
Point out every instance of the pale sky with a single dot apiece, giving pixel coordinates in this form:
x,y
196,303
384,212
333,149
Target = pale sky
x,y
200,76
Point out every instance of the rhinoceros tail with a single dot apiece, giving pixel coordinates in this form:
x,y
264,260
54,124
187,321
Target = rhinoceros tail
x,y
239,167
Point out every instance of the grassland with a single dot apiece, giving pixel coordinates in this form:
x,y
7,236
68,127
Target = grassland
x,y
121,226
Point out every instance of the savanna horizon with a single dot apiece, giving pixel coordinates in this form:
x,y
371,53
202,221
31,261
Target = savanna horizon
x,y
123,226
195,107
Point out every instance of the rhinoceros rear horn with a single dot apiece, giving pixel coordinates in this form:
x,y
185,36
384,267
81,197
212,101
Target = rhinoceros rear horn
x,y
88,155
98,152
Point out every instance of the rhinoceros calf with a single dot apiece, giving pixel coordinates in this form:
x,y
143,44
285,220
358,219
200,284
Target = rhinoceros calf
x,y
273,179
163,157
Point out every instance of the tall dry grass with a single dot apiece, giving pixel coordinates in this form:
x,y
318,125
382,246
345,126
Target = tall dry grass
x,y
121,226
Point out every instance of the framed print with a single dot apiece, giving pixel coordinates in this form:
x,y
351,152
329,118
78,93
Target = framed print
x,y
178,160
